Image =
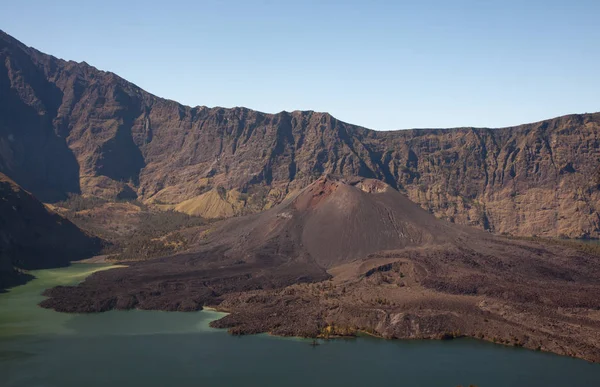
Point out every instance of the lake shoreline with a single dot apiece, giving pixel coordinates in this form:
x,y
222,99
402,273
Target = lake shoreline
x,y
50,343
301,311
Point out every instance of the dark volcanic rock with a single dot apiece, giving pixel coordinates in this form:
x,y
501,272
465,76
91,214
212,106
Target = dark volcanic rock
x,y
34,237
349,255
330,222
67,127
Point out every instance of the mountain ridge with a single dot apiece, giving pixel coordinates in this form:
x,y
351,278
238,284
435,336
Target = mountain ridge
x,y
337,234
6,36
92,132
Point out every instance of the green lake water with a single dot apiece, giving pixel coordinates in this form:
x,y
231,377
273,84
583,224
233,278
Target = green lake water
x,y
41,347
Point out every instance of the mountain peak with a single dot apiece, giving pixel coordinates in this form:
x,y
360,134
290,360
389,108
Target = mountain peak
x,y
97,134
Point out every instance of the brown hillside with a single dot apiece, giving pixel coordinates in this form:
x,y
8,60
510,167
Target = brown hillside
x,y
34,237
334,221
331,222
67,127
356,254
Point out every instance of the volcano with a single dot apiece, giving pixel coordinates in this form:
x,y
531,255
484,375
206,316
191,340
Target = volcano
x,y
353,254
334,221
331,222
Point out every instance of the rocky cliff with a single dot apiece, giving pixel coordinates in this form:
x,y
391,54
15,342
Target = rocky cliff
x,y
67,127
34,237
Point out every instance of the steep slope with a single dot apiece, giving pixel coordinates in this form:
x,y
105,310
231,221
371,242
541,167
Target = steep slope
x,y
67,127
33,237
333,221
352,254
212,204
330,222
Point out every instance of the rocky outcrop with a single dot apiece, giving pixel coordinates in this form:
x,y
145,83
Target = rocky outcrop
x,y
67,127
34,237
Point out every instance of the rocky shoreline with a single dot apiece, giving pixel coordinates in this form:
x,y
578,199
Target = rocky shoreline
x,y
344,256
387,297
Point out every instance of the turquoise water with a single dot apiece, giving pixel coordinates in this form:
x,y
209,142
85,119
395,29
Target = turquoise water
x,y
146,348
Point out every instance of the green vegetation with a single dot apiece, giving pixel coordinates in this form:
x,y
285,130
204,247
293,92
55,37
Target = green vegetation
x,y
130,229
162,222
158,234
77,203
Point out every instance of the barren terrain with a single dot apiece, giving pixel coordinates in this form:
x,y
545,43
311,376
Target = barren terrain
x,y
351,255
317,227
69,128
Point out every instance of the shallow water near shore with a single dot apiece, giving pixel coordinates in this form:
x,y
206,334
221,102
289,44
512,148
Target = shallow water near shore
x,y
40,347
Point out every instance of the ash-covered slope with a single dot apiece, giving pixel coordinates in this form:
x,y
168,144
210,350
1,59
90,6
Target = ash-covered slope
x,y
337,220
330,222
353,254
33,237
67,127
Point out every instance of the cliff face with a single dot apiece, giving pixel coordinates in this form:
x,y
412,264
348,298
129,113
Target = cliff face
x,y
539,178
67,127
33,237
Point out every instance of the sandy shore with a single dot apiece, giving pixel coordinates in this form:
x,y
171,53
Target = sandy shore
x,y
94,259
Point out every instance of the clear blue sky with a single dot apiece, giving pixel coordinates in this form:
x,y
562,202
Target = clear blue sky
x,y
380,64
